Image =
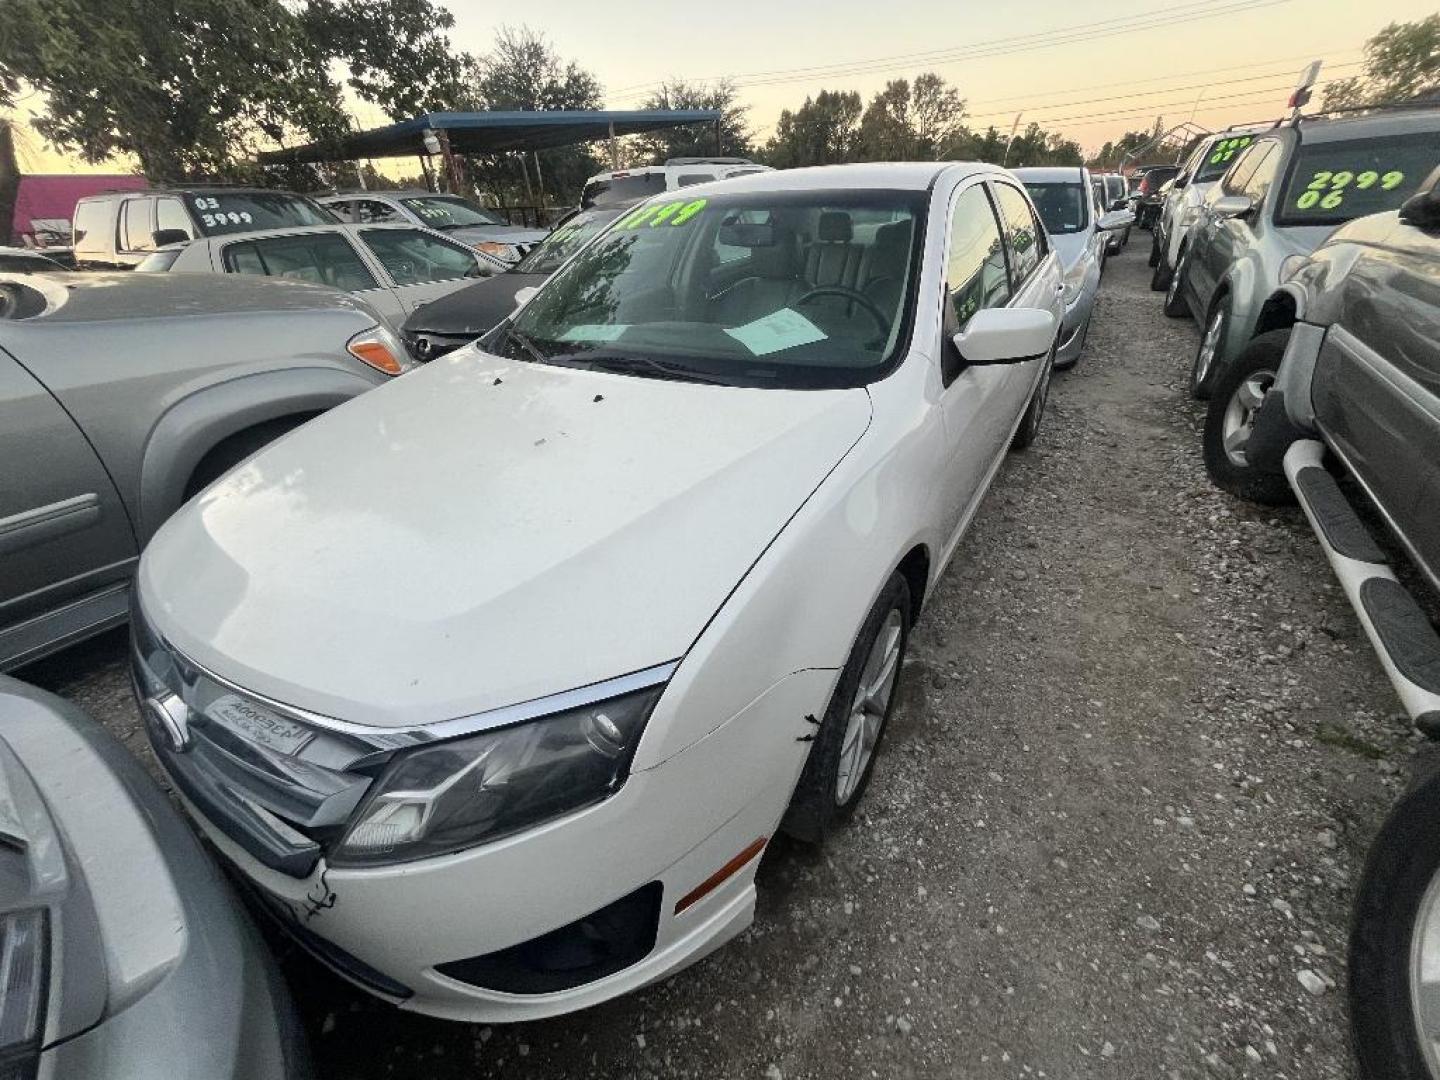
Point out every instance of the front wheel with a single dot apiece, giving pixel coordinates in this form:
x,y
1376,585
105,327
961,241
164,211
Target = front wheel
x,y
1154,259
1395,944
843,755
1234,404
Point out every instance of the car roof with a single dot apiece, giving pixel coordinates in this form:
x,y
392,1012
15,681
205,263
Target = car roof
x,y
1377,125
333,227
863,176
1053,174
388,193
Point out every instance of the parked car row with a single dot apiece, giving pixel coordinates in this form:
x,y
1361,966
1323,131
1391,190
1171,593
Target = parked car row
x,y
1313,266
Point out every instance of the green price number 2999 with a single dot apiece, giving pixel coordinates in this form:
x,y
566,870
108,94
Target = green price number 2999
x,y
1327,189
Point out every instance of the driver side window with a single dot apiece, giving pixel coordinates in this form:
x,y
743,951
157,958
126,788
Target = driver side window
x,y
975,272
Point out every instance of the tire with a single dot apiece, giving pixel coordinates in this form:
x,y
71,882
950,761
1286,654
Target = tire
x,y
1210,363
229,452
1403,865
1035,411
817,805
1233,404
1154,259
1175,304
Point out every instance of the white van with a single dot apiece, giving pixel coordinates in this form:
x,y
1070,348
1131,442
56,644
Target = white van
x,y
624,186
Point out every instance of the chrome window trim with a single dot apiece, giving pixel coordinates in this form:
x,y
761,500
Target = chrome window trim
x,y
390,739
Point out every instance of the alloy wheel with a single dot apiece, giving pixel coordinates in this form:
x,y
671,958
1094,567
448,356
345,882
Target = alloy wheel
x,y
1425,976
1209,346
1240,412
869,706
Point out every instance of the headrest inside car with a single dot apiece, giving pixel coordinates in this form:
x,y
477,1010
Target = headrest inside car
x,y
834,227
747,234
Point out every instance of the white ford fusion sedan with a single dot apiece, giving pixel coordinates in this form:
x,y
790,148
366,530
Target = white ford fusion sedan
x,y
495,683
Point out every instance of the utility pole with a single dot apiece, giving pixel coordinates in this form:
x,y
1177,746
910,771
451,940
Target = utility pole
x,y
1010,141
9,179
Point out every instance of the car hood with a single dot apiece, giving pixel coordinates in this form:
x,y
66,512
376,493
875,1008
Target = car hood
x,y
507,234
1070,247
485,531
473,309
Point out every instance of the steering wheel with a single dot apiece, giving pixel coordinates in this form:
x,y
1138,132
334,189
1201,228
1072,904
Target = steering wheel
x,y
871,308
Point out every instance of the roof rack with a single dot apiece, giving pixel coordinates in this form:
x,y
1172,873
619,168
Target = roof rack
x,y
709,161
1421,104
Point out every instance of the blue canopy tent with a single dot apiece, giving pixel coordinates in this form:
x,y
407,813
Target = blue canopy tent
x,y
454,134
491,132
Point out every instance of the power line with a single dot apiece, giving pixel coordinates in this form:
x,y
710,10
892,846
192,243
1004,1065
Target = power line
x,y
1143,93
1004,46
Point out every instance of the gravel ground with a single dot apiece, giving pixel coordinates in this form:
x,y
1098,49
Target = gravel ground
x,y
1114,829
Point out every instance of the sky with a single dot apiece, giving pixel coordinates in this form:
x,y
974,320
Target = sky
x,y
1090,71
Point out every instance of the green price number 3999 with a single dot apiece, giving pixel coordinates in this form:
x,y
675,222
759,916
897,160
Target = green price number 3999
x,y
1327,189
1226,149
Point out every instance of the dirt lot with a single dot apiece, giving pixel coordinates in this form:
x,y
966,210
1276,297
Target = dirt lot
x,y
1142,749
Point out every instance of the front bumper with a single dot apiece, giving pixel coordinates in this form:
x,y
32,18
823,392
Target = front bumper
x,y
392,929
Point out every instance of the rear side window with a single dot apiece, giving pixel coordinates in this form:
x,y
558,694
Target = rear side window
x,y
136,225
317,258
1257,185
89,227
1233,182
623,188
690,179
413,258
1333,182
367,210
1023,234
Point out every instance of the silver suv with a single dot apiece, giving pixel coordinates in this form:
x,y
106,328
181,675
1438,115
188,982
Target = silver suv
x,y
458,218
1283,194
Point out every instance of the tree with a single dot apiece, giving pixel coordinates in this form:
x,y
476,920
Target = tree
x,y
822,131
938,115
919,121
193,88
698,141
1402,62
1111,154
524,72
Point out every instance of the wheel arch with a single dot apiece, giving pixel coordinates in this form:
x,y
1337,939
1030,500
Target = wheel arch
x,y
1281,310
915,569
199,423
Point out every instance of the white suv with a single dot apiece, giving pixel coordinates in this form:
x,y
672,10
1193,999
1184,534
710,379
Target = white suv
x,y
623,186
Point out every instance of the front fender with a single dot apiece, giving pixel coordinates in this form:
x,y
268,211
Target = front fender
x,y
195,424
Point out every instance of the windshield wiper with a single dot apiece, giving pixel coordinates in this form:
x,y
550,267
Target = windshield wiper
x,y
531,350
621,363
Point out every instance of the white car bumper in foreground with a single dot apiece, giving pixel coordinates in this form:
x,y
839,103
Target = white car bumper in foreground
x,y
483,934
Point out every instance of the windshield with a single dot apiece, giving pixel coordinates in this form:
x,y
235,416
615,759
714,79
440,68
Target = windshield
x,y
1332,182
1219,157
565,241
1063,207
448,212
221,213
624,189
793,290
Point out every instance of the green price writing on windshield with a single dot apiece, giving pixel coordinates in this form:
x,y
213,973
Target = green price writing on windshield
x,y
670,213
1226,149
1327,188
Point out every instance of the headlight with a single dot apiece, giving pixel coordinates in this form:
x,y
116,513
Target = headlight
x,y
1074,282
443,798
23,952
1291,265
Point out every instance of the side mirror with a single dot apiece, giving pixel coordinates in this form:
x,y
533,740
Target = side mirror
x,y
166,237
522,296
1005,335
1423,208
1233,205
1115,220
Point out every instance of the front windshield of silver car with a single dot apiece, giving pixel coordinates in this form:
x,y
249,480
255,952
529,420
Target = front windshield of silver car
x,y
804,289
